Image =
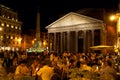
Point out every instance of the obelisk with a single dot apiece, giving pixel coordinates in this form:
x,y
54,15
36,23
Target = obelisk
x,y
38,26
37,47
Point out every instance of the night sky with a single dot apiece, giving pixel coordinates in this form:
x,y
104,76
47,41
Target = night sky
x,y
50,9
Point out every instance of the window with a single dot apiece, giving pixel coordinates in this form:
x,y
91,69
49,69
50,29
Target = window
x,y
1,37
12,26
11,37
7,25
15,37
2,24
16,27
12,18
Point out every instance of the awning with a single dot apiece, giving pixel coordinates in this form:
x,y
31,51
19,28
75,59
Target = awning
x,y
101,47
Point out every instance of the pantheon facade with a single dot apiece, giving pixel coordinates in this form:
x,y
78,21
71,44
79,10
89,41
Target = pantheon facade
x,y
75,33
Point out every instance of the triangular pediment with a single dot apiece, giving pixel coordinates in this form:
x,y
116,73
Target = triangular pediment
x,y
72,19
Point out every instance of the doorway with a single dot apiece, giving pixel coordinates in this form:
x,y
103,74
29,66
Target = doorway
x,y
80,45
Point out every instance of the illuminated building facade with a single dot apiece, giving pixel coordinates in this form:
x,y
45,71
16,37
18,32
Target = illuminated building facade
x,y
10,35
75,33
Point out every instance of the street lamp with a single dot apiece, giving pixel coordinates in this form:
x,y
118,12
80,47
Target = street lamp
x,y
112,17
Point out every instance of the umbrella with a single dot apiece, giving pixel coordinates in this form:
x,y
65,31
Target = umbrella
x,y
101,47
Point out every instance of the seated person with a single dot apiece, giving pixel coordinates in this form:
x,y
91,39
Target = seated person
x,y
84,66
35,66
107,72
22,69
46,72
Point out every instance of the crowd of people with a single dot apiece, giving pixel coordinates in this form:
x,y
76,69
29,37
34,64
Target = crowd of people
x,y
54,66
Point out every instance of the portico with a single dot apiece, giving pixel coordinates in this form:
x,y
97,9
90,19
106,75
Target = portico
x,y
75,33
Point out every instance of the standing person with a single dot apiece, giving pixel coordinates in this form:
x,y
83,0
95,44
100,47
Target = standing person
x,y
6,60
11,57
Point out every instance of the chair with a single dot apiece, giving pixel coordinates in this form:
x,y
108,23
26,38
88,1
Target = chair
x,y
55,76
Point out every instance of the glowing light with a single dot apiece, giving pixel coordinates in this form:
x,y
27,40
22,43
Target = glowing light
x,y
7,36
7,25
19,40
16,27
33,41
1,37
118,26
113,17
19,28
7,48
11,37
17,49
13,49
16,20
0,29
15,37
2,24
44,43
12,26
12,18
3,15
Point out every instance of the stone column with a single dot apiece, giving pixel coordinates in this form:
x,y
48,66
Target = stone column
x,y
101,36
68,41
92,37
54,41
61,43
84,44
76,41
64,46
49,42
